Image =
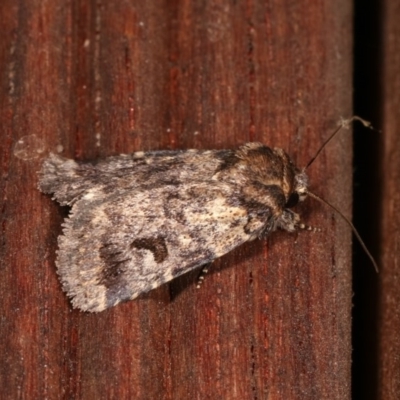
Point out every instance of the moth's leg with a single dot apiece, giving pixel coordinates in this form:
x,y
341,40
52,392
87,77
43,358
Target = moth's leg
x,y
290,221
202,274
309,228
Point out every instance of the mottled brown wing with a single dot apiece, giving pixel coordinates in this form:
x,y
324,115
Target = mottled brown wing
x,y
68,180
115,250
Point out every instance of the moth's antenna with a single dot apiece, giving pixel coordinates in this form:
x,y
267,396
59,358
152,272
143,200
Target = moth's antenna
x,y
344,123
353,228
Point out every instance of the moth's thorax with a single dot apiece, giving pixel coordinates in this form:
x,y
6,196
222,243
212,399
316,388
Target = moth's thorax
x,y
255,163
291,177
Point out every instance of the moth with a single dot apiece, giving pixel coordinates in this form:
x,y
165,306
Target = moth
x,y
140,220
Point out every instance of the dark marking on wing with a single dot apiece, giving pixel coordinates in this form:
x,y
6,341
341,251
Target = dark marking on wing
x,y
228,159
114,264
172,209
263,151
156,245
170,182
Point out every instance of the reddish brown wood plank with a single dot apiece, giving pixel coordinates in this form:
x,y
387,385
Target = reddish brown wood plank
x,y
389,306
100,78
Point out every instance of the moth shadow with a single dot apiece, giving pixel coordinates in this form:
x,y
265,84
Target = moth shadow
x,y
239,256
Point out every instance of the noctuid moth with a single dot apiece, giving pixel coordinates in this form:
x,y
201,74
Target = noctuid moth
x,y
140,220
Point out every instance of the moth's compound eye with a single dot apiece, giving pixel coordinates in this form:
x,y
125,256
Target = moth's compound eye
x,y
293,200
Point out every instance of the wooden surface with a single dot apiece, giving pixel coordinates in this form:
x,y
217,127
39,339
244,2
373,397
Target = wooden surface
x,y
92,79
389,304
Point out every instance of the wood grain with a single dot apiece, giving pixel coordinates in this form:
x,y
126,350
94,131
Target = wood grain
x,y
94,78
389,302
